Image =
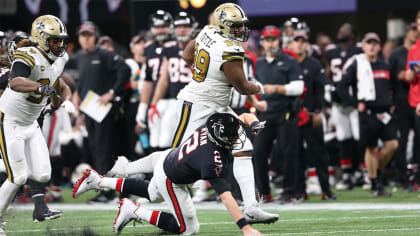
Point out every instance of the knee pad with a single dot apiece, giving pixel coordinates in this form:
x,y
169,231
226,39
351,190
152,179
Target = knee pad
x,y
19,172
20,179
43,178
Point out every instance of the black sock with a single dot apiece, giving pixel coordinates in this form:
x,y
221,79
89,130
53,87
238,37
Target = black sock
x,y
374,183
37,194
136,186
168,223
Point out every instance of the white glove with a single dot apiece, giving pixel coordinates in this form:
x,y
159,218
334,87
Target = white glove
x,y
261,87
141,115
68,106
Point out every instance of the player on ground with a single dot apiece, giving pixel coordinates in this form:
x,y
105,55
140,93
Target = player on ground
x,y
174,75
34,77
216,57
204,155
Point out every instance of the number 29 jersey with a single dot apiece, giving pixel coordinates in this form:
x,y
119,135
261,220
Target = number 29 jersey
x,y
26,107
210,86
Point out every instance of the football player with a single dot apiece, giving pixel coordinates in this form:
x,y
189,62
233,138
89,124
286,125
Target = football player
x,y
206,154
175,74
160,23
216,57
345,118
34,77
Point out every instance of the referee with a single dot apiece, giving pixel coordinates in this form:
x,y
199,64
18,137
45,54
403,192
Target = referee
x,y
281,76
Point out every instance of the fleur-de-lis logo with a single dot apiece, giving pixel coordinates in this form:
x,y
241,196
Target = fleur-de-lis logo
x,y
221,14
40,26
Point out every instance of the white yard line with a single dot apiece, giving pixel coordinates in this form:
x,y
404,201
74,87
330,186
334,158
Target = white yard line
x,y
220,206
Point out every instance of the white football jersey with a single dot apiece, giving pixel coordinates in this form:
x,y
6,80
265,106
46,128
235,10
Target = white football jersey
x,y
26,107
209,85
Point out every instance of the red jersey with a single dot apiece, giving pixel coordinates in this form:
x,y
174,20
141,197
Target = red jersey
x,y
414,92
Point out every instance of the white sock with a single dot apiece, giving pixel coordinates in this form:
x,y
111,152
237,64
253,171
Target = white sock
x,y
7,192
148,215
243,170
144,165
110,183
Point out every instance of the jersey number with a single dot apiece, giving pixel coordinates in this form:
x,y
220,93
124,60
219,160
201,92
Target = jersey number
x,y
37,98
178,70
190,145
201,64
336,69
154,66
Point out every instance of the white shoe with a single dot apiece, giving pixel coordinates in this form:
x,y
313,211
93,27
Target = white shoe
x,y
118,170
90,180
199,196
256,215
125,214
2,223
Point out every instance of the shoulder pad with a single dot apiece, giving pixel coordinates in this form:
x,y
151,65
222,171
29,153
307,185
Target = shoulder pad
x,y
26,55
169,44
148,44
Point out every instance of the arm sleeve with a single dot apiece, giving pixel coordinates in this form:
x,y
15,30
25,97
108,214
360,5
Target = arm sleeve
x,y
117,64
220,185
295,73
20,69
349,79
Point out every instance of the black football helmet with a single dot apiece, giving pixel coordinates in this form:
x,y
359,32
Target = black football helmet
x,y
12,45
184,19
226,131
160,18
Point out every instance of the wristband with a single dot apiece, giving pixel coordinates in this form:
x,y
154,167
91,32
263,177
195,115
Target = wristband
x,y
241,223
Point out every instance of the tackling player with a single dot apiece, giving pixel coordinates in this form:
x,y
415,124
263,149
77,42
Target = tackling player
x,y
204,155
34,76
216,57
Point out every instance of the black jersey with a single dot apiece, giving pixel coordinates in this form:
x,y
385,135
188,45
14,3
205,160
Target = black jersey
x,y
383,86
315,80
337,59
179,72
153,54
397,63
198,158
4,77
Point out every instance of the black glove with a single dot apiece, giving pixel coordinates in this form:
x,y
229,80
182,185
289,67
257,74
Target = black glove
x,y
257,126
47,90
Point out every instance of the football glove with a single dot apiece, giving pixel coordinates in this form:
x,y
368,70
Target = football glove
x,y
257,127
152,112
68,106
141,115
46,90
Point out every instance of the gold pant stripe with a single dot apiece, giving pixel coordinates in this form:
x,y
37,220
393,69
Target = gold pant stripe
x,y
186,111
3,149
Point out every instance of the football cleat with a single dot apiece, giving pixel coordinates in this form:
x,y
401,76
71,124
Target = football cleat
x,y
45,214
255,215
90,180
118,170
126,214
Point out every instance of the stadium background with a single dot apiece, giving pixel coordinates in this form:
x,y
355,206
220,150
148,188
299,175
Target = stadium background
x,y
130,16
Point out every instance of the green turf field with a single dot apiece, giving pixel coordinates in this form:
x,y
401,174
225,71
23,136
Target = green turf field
x,y
218,222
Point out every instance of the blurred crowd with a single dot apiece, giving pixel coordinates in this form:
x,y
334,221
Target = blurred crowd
x,y
349,133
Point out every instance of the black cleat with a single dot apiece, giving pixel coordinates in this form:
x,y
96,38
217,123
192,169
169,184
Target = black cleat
x,y
46,214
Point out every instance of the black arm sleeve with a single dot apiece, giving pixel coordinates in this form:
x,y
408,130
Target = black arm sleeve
x,y
19,69
349,79
123,77
220,185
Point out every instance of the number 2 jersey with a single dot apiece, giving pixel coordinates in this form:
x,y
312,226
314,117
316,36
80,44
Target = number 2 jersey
x,y
26,107
199,158
210,86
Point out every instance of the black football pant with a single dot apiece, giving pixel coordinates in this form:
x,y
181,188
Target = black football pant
x,y
405,118
103,141
313,153
283,128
